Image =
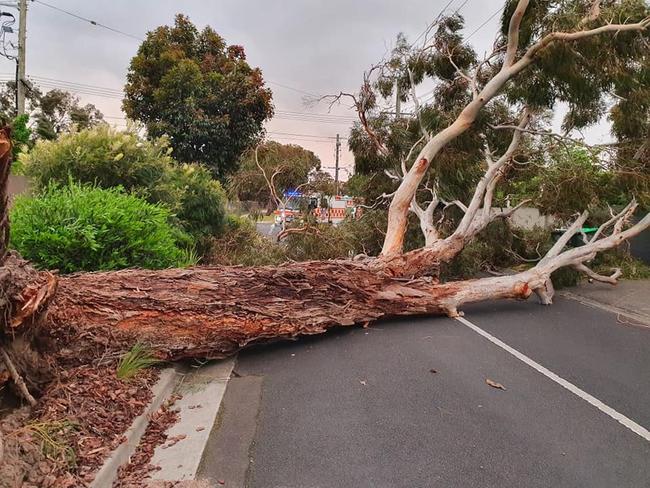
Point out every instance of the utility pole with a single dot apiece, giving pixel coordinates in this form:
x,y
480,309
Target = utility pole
x,y
20,72
336,167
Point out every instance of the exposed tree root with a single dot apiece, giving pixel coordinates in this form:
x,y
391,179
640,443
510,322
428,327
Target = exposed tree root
x,y
18,380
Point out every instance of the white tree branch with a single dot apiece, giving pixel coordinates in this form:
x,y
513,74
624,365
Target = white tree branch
x,y
566,237
269,182
485,188
418,112
393,243
615,218
513,34
612,279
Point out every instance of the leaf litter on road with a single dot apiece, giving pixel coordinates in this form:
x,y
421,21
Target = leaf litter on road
x,y
494,384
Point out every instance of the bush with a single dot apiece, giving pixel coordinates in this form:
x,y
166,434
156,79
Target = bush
x,y
241,244
107,158
200,202
20,135
353,236
84,228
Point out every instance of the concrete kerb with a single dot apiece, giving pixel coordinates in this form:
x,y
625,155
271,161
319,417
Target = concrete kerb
x,y
640,319
107,474
202,391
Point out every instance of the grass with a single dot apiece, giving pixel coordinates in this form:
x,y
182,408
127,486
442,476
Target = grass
x,y
131,363
53,438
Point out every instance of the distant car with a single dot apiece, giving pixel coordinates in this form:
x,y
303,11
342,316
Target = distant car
x,y
287,214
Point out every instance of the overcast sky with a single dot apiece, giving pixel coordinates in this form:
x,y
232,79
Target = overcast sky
x,y
313,46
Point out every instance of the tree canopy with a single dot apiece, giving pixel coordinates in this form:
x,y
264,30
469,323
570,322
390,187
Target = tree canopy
x,y
199,91
49,114
588,81
290,166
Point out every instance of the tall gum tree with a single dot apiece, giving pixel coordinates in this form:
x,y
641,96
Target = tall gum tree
x,y
212,312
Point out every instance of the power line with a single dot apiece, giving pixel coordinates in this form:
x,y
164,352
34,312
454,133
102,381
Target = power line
x,y
117,31
316,136
90,21
100,91
83,85
288,112
428,27
485,23
298,90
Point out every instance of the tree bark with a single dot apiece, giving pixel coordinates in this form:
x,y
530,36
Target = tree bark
x,y
212,312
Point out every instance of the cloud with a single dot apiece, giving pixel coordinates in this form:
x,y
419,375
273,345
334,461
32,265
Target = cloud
x,y
319,46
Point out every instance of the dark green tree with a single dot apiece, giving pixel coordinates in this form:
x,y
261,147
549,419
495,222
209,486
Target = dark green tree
x,y
199,91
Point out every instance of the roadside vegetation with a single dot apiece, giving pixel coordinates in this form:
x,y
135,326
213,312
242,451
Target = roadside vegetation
x,y
86,228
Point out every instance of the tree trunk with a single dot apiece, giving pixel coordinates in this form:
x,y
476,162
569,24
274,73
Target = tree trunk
x,y
212,312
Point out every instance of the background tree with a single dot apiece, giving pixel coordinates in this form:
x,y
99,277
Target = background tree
x,y
58,111
289,164
49,115
322,182
199,91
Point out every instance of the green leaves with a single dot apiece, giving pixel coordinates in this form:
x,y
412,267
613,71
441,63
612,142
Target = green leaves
x,y
293,162
104,157
200,92
85,228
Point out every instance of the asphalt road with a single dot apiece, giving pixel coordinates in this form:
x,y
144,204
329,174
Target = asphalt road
x,y
268,229
406,404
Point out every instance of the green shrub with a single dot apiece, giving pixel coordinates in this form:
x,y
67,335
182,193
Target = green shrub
x,y
20,138
200,202
84,228
107,158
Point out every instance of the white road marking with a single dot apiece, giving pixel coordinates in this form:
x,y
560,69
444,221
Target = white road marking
x,y
619,417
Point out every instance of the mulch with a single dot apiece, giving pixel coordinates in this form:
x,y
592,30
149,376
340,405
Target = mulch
x,y
76,424
136,473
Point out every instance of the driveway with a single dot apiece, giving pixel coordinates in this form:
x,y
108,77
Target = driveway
x,y
406,404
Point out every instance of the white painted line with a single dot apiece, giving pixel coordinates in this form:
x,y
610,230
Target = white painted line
x,y
619,417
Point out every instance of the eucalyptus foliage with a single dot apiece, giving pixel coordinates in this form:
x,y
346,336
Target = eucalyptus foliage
x,y
594,80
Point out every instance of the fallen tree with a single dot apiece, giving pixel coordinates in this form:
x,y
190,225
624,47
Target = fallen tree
x,y
212,312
